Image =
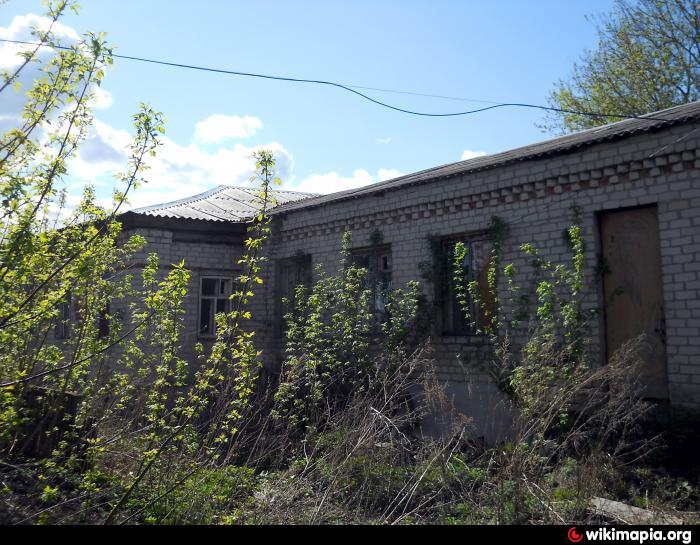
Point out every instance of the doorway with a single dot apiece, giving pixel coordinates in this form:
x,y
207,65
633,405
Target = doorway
x,y
632,287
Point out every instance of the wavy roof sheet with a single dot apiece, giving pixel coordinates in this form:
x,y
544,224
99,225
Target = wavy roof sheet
x,y
564,144
223,203
237,204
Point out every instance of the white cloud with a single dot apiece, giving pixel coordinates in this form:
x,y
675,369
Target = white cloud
x,y
469,154
388,174
104,152
21,29
21,23
218,127
180,171
101,99
332,181
176,171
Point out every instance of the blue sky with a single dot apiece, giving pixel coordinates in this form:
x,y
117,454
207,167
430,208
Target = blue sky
x,y
326,139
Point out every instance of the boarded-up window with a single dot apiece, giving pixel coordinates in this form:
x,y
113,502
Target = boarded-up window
x,y
215,297
475,268
377,261
291,272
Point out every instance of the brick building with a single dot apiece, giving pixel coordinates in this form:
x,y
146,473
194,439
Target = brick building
x,y
633,186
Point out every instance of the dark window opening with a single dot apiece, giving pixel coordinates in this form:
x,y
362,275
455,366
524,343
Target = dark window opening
x,y
377,261
215,298
475,268
103,323
291,272
62,330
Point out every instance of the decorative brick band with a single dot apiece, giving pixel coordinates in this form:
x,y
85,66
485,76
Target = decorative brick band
x,y
620,173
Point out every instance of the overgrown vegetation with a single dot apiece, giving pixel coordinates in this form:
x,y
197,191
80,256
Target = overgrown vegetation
x,y
90,372
102,420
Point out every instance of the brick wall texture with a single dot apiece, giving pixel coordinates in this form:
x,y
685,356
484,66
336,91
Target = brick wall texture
x,y
538,199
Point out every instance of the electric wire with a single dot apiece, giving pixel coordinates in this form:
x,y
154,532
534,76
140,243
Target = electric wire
x,y
353,89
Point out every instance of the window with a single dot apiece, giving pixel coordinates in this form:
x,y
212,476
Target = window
x,y
214,298
103,323
377,261
70,311
62,330
291,272
475,268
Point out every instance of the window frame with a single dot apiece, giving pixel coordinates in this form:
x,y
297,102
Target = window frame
x,y
374,277
62,329
448,295
215,298
304,264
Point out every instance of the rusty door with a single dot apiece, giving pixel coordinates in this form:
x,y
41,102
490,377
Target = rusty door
x,y
633,291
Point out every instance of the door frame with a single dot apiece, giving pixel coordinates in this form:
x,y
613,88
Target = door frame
x,y
603,321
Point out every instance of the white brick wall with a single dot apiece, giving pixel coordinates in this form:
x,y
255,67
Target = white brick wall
x,y
201,259
535,198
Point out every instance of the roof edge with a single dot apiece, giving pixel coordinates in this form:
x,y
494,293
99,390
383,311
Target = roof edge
x,y
618,130
146,210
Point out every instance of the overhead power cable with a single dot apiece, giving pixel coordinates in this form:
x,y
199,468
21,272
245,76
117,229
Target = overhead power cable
x,y
353,89
427,95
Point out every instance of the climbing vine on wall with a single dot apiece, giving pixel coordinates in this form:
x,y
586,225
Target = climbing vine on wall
x,y
523,348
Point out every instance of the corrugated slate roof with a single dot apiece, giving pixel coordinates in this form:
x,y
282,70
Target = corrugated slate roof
x,y
564,144
223,203
236,204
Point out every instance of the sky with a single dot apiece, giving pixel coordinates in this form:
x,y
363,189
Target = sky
x,y
325,139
